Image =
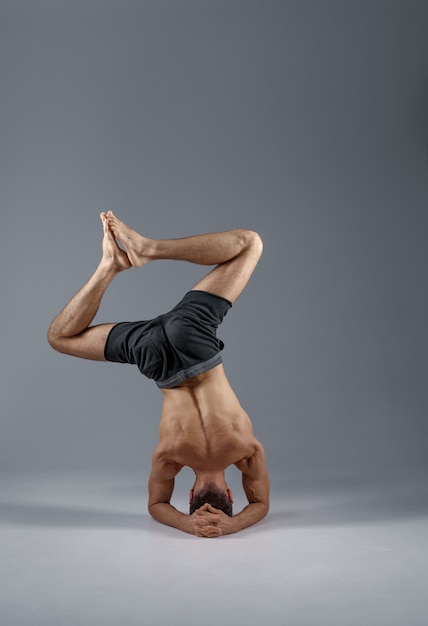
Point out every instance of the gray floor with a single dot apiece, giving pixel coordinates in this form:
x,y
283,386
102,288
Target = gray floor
x,y
336,549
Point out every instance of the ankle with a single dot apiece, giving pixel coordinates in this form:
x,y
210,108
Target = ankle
x,y
152,248
106,270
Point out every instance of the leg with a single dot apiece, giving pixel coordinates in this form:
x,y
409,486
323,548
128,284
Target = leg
x,y
69,332
229,278
235,252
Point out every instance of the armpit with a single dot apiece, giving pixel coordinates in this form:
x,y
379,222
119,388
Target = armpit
x,y
252,465
164,469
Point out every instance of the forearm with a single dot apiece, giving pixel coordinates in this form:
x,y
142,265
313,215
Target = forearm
x,y
251,514
167,514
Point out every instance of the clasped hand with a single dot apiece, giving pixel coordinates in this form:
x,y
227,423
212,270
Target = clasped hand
x,y
210,522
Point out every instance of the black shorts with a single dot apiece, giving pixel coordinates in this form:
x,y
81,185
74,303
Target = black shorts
x,y
175,346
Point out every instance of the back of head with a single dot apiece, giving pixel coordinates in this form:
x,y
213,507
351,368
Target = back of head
x,y
214,495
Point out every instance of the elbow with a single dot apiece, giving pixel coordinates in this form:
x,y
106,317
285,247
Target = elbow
x,y
153,510
264,509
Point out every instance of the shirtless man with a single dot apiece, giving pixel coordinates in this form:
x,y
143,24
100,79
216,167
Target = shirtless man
x,y
203,425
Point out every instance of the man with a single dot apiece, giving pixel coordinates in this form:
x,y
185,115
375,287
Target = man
x,y
203,425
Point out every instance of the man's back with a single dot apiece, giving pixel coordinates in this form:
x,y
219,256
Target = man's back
x,y
203,425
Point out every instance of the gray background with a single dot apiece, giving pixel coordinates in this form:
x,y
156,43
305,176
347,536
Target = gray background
x,y
306,121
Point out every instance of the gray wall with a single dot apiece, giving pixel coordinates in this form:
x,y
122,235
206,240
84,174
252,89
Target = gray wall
x,y
306,121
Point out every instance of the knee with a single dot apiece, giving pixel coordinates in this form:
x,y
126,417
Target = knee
x,y
54,339
59,344
253,241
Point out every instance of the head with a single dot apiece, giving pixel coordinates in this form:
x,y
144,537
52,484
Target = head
x,y
218,496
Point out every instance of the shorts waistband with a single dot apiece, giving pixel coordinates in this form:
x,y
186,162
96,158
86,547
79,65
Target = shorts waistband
x,y
189,372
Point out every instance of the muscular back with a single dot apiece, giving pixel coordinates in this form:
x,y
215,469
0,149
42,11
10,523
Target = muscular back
x,y
203,426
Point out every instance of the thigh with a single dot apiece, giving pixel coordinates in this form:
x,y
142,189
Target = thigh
x,y
89,344
229,279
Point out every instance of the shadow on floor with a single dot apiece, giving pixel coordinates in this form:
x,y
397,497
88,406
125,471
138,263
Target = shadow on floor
x,y
296,501
33,514
357,505
353,506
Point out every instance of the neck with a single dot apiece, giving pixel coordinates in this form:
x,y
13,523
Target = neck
x,y
203,478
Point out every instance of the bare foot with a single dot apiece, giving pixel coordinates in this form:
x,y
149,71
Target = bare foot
x,y
135,244
113,256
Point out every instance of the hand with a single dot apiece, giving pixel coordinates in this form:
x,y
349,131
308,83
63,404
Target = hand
x,y
211,522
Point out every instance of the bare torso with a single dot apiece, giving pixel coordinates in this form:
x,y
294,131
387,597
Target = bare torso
x,y
203,425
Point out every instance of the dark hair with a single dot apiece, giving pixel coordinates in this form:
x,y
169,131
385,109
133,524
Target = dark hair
x,y
211,494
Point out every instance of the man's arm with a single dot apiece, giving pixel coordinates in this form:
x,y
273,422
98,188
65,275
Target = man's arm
x,y
161,487
255,481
